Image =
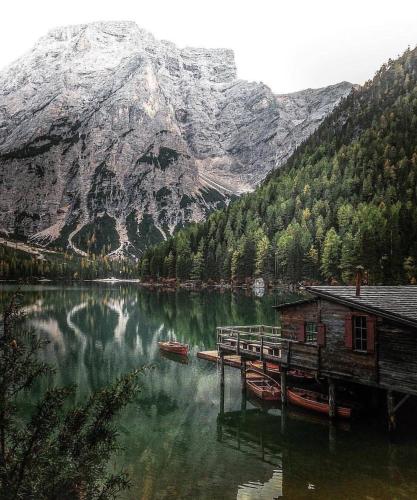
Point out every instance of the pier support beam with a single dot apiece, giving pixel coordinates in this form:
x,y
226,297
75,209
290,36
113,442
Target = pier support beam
x,y
221,400
392,420
332,399
283,419
284,385
243,403
243,374
243,369
222,369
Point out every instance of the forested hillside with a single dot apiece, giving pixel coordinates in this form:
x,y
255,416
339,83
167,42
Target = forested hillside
x,y
39,263
346,197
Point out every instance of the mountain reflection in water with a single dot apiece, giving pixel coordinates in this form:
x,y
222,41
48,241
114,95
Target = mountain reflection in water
x,y
182,437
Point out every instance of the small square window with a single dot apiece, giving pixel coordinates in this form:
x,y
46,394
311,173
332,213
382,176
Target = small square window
x,y
311,332
360,334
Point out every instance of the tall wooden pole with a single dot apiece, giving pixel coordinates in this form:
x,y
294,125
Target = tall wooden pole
x,y
221,400
243,373
332,398
283,419
222,369
392,421
284,385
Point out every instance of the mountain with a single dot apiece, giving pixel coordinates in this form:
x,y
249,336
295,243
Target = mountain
x,y
347,197
110,139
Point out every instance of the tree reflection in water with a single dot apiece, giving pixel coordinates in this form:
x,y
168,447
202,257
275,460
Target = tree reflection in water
x,y
178,443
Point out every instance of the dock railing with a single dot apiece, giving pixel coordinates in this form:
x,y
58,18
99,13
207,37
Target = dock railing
x,y
259,340
262,342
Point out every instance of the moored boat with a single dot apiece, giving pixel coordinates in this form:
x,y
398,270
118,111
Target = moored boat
x,y
271,368
315,401
174,347
274,369
173,356
262,386
301,376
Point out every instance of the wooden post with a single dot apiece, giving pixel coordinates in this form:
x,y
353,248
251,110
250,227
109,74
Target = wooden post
x,y
221,400
243,402
332,398
243,373
262,348
219,428
392,421
283,419
222,369
238,344
284,385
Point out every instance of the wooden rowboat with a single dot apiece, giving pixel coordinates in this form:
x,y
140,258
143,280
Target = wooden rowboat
x,y
175,347
301,376
262,386
270,367
274,369
177,358
314,401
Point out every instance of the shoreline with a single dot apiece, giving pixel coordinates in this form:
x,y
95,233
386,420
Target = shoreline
x,y
169,284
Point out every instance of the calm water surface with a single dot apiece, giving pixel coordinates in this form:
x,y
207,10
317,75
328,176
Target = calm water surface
x,y
177,441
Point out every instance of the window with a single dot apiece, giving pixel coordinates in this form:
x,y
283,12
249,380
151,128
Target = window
x,y
311,332
360,334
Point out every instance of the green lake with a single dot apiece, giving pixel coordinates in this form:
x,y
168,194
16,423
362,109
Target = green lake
x,y
177,441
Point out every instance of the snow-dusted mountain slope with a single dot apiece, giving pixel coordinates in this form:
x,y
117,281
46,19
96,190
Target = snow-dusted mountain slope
x,y
111,139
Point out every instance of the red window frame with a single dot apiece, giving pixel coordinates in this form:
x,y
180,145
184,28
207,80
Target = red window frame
x,y
370,332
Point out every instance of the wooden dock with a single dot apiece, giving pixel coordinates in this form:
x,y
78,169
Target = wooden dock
x,y
350,338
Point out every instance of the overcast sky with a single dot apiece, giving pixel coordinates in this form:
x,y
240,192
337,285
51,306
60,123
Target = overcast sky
x,y
287,44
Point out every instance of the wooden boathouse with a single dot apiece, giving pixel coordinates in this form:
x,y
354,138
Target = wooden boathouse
x,y
365,336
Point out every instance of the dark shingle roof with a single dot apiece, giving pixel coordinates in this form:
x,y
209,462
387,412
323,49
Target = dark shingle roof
x,y
398,303
296,303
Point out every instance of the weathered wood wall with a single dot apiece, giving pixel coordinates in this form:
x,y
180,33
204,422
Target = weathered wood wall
x,y
335,356
389,362
397,356
393,364
295,316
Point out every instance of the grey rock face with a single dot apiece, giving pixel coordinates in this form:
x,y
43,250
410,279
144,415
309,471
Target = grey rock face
x,y
111,139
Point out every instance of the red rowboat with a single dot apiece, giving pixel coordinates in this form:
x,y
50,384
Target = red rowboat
x,y
177,358
270,367
175,347
274,369
301,376
314,401
262,386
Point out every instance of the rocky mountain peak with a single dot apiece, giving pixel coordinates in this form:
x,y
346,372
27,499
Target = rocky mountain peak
x,y
111,139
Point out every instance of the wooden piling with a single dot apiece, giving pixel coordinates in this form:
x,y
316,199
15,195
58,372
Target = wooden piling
x,y
221,400
332,399
392,420
243,374
283,419
221,369
284,386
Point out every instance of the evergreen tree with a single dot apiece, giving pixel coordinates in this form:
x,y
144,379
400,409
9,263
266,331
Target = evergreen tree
x,y
346,197
59,452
